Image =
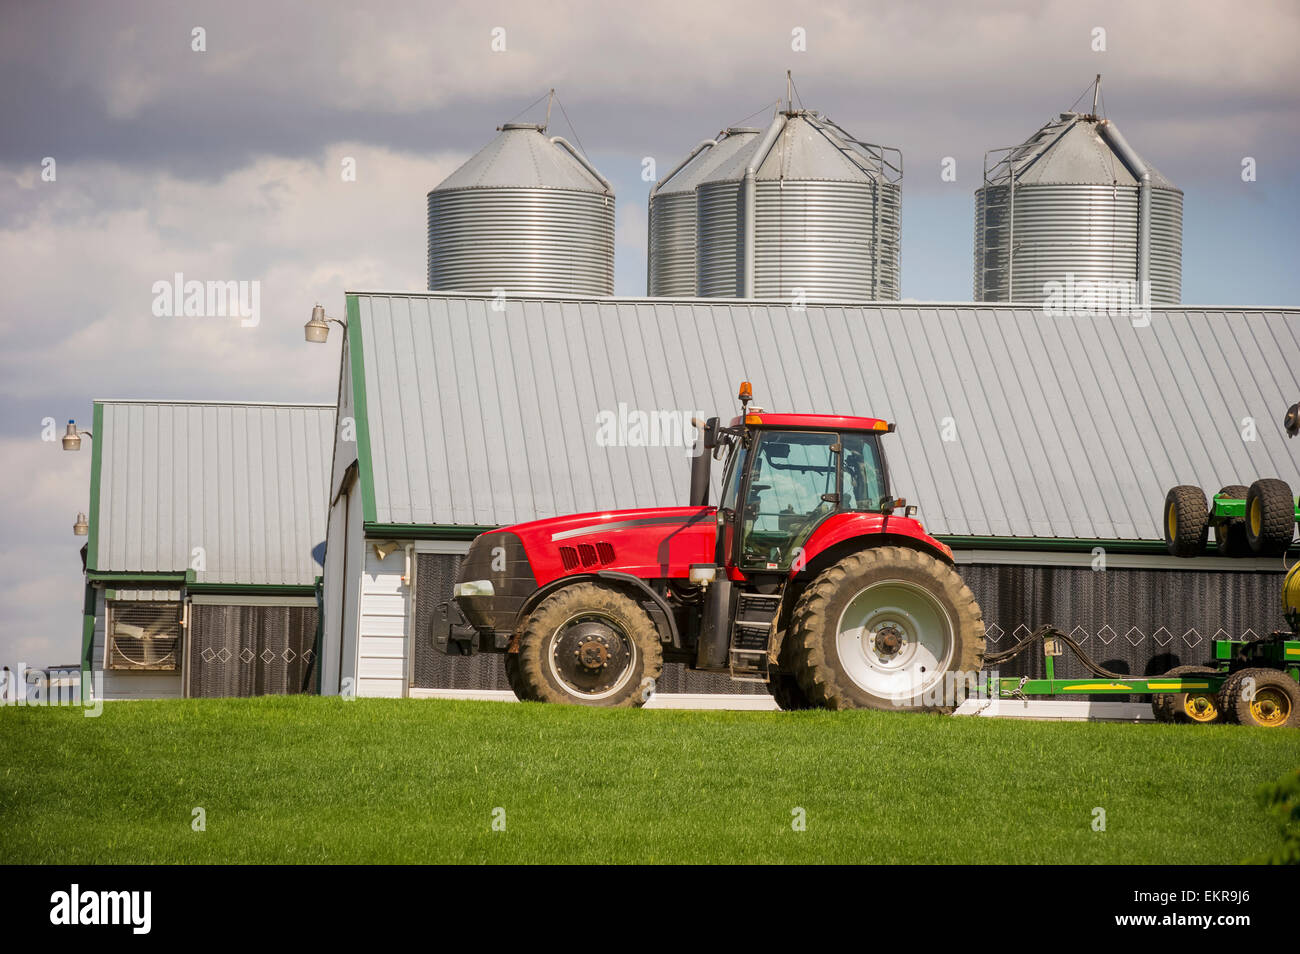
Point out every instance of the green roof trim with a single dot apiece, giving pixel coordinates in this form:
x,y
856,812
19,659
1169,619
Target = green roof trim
x,y
179,579
1053,544
366,467
268,589
96,458
424,531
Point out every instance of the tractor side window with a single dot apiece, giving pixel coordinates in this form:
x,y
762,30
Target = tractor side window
x,y
864,474
792,474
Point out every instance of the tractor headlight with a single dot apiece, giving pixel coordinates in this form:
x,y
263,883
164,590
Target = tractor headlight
x,y
473,588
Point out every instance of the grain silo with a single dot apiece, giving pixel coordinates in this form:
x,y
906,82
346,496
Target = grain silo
x,y
1075,203
528,214
805,208
672,219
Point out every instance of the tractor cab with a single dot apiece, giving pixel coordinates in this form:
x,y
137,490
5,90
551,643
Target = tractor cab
x,y
784,475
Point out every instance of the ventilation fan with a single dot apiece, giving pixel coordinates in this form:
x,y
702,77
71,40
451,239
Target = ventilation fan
x,y
144,635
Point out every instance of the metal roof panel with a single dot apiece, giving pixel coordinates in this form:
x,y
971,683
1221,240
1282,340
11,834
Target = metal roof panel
x,y
249,483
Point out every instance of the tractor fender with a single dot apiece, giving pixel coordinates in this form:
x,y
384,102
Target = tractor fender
x,y
842,532
660,612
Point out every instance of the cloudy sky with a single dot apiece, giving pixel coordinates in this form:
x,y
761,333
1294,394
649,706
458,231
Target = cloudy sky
x,y
224,164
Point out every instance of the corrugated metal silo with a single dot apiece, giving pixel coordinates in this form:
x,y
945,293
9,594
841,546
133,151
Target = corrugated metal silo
x,y
528,213
672,213
1075,200
806,206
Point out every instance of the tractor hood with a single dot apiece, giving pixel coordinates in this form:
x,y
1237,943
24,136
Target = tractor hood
x,y
647,542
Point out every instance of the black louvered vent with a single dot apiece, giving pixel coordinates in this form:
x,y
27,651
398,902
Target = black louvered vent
x,y
601,554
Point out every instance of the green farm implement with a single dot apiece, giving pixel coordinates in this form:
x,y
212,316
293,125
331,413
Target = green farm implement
x,y
1250,682
1253,682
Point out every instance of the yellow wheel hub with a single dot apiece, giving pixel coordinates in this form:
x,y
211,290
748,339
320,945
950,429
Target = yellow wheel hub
x,y
1270,707
1256,517
1172,520
1201,708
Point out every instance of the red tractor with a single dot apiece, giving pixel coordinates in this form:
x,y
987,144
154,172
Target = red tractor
x,y
804,577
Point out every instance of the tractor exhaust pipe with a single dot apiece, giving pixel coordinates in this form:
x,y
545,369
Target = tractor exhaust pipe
x,y
701,470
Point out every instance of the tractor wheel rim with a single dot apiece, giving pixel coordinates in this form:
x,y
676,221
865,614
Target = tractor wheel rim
x,y
1200,708
590,656
1256,517
1270,707
1171,520
895,640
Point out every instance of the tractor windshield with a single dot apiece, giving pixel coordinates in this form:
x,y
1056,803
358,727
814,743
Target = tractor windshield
x,y
793,480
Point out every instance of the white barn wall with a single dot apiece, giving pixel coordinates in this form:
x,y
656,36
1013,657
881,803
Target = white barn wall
x,y
385,611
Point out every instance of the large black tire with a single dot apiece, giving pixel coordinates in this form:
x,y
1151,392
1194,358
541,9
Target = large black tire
x,y
1270,517
591,645
1186,519
784,688
1200,707
1267,698
885,647
1230,535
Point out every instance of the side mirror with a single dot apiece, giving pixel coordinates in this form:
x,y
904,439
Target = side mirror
x,y
711,433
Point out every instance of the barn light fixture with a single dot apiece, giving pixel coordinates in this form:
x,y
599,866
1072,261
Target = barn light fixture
x,y
386,549
317,329
81,527
72,437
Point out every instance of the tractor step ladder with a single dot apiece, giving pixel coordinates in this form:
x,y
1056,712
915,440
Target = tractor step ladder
x,y
751,632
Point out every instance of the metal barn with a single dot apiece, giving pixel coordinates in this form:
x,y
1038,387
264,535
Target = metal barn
x,y
1039,448
206,538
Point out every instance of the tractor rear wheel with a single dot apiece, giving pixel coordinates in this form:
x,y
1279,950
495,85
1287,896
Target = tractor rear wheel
x,y
1230,534
883,628
1192,706
1267,698
784,688
1186,521
589,644
1270,516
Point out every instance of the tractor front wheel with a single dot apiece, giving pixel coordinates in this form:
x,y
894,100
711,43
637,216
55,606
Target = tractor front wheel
x,y
590,645
883,628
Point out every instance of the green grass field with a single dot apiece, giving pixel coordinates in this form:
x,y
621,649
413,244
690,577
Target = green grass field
x,y
312,779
